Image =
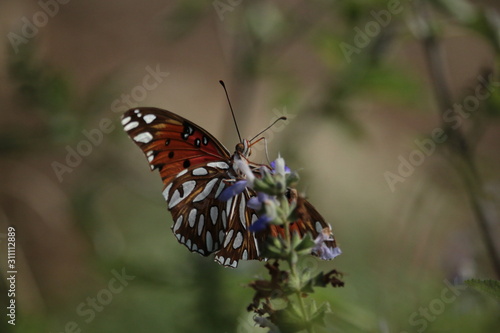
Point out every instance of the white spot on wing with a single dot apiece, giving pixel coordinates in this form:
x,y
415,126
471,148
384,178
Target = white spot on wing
x,y
214,213
256,246
126,120
144,137
188,187
229,235
175,199
220,165
188,244
177,224
244,256
149,118
243,207
131,125
209,241
206,191
229,208
200,172
201,219
201,224
319,228
220,188
166,190
183,172
238,240
192,217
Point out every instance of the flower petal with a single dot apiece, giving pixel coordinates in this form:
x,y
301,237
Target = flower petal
x,y
327,253
260,224
233,190
321,249
279,166
254,203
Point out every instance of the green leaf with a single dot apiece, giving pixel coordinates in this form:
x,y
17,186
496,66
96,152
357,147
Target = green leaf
x,y
318,315
289,320
305,245
275,248
294,283
491,287
292,179
308,287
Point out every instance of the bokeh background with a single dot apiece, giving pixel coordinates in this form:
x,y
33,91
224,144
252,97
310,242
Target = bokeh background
x,y
356,96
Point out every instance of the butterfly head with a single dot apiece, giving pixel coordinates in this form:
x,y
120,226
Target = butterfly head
x,y
243,149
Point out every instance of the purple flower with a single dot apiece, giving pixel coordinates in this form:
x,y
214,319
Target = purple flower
x,y
322,250
260,224
233,190
266,205
240,185
257,202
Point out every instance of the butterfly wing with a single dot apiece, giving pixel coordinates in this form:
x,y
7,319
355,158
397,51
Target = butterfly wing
x,y
170,142
239,241
195,168
309,220
205,224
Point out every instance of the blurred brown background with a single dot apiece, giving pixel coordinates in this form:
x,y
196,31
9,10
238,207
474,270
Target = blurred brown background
x,y
351,120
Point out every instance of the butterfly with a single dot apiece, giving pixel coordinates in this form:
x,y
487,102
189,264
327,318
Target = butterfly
x,y
195,169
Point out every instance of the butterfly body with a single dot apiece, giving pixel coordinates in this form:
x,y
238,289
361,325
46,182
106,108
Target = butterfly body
x,y
195,168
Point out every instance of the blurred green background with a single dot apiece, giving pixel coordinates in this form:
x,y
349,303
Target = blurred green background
x,y
360,81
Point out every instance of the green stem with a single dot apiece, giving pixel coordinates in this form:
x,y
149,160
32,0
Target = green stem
x,y
291,262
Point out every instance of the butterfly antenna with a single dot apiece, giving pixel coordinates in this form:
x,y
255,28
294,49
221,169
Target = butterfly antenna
x,y
268,127
231,107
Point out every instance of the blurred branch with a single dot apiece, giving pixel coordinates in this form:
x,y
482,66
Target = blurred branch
x,y
456,142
